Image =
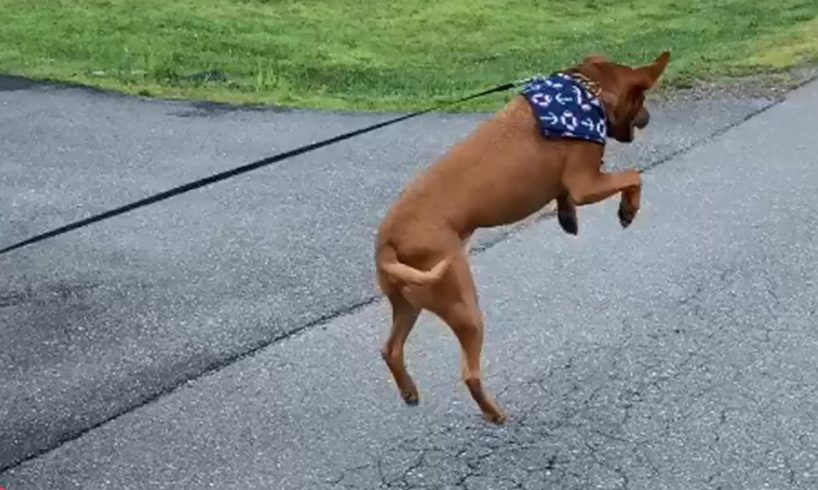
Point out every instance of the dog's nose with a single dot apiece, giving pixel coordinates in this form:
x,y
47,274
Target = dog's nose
x,y
643,119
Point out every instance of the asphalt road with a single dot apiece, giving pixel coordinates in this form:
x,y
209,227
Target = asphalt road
x,y
677,354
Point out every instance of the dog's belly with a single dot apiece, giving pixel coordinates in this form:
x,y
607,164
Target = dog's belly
x,y
514,190
510,211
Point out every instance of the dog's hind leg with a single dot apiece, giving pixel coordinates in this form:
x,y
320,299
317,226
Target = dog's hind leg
x,y
456,304
404,316
468,328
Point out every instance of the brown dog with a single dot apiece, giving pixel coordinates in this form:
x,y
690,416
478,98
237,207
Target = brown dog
x,y
501,173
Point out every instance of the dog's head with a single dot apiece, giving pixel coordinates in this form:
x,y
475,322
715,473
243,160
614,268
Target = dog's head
x,y
622,91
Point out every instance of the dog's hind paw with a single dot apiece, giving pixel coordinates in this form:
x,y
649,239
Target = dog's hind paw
x,y
497,418
411,397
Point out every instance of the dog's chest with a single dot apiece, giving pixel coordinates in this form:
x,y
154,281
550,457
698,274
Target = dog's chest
x,y
565,109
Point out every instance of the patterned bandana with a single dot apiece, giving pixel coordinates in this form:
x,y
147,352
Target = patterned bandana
x,y
566,109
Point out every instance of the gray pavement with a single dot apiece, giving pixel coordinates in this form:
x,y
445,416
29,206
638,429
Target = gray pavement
x,y
673,355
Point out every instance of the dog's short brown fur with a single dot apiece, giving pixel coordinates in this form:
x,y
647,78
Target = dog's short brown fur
x,y
501,173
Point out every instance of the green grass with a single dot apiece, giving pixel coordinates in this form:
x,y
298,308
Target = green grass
x,y
385,55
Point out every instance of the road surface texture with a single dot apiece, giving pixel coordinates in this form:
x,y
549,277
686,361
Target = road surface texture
x,y
676,354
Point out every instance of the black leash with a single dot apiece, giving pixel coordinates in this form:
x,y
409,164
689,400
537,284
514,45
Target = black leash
x,y
244,168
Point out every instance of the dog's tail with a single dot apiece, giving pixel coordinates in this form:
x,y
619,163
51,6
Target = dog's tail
x,y
407,274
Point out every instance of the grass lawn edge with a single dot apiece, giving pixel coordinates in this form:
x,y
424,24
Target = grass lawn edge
x,y
764,83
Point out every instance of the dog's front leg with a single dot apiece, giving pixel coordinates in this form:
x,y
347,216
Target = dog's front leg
x,y
592,186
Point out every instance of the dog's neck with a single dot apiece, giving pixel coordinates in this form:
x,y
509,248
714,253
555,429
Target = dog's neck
x,y
585,81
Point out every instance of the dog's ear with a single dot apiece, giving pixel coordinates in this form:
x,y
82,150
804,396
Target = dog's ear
x,y
594,59
650,74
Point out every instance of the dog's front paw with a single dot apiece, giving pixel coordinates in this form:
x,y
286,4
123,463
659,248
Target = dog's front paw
x,y
568,222
626,215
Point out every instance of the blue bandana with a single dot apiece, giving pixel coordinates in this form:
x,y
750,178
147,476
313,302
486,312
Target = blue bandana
x,y
566,109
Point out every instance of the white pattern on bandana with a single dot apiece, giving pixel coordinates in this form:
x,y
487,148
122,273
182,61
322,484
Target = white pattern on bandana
x,y
565,109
